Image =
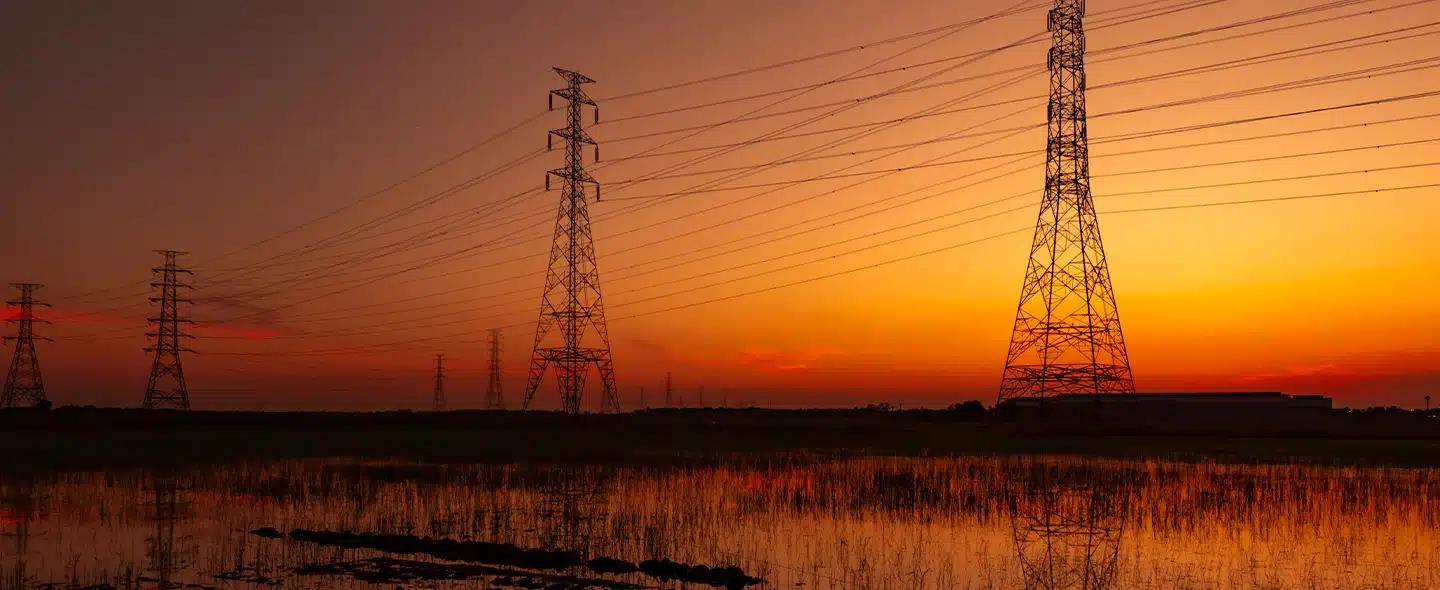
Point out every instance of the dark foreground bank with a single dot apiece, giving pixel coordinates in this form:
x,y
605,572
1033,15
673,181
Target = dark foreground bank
x,y
68,438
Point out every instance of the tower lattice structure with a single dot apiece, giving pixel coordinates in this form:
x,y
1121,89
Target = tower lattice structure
x,y
669,390
1067,335
438,402
24,385
494,395
571,334
167,389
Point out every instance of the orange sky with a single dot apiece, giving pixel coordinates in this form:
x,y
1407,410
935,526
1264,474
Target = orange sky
x,y
209,127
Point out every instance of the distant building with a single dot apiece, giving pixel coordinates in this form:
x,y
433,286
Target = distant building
x,y
1171,412
1239,401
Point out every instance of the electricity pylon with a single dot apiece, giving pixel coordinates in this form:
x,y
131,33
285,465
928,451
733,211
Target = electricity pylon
x,y
571,304
438,403
494,396
167,378
23,385
669,391
1067,335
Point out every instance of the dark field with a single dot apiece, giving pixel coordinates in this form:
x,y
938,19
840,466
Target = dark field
x,y
89,438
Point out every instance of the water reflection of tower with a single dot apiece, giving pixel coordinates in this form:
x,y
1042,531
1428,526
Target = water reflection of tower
x,y
21,507
571,511
1067,526
169,503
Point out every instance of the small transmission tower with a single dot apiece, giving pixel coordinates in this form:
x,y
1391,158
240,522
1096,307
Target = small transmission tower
x,y
571,304
494,396
669,391
167,378
24,385
438,404
1067,330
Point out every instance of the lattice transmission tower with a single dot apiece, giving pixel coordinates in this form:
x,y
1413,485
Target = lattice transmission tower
x,y
23,385
571,308
167,389
438,402
669,390
494,395
1067,335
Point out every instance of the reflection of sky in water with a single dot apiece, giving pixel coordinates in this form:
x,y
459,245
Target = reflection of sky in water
x,y
871,523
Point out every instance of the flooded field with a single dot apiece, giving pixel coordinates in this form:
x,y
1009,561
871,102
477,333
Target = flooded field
x,y
791,521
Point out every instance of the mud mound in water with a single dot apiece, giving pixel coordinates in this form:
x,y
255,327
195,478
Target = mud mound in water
x,y
729,577
388,570
507,554
493,553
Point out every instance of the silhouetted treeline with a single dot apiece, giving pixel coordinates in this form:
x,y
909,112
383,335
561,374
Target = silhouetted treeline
x,y
95,437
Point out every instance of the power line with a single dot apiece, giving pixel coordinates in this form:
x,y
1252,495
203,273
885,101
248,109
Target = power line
x,y
386,189
1212,205
1232,25
332,240
789,98
325,352
1158,40
1014,232
1100,52
1133,136
331,271
828,54
792,126
1293,53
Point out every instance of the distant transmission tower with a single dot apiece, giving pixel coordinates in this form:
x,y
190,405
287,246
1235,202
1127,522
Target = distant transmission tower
x,y
669,391
24,385
494,396
438,404
571,303
1067,330
167,379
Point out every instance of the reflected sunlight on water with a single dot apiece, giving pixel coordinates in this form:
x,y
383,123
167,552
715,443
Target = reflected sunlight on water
x,y
903,523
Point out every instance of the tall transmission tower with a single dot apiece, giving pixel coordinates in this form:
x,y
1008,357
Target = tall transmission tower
x,y
571,303
24,385
669,391
438,403
494,396
1067,335
167,388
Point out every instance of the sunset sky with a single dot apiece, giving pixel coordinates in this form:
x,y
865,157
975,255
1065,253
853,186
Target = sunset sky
x,y
211,127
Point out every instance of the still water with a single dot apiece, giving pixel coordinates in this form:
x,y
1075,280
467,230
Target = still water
x,y
787,522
